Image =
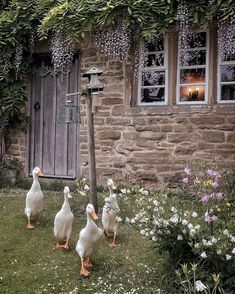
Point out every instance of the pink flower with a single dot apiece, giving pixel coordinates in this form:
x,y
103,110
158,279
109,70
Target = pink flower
x,y
215,184
213,173
207,218
214,218
205,198
187,170
185,180
220,195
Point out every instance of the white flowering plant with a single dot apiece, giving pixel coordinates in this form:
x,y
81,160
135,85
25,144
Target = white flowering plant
x,y
193,223
189,283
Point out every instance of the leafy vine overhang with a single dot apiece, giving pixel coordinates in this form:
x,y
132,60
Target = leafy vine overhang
x,y
23,23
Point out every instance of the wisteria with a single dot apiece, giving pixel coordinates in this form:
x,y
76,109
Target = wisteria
x,y
62,53
141,55
18,57
5,66
226,37
114,42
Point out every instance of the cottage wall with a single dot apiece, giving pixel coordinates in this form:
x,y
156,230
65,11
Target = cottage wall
x,y
151,144
146,144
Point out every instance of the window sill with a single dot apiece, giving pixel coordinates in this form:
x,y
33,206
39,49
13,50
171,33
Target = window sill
x,y
184,109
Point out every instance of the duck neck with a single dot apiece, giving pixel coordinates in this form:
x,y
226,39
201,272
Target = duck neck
x,y
89,219
110,191
35,184
66,205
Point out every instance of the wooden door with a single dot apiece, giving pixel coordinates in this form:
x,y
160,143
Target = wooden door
x,y
52,146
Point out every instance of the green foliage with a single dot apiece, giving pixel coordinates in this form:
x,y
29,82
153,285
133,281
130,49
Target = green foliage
x,y
193,224
24,22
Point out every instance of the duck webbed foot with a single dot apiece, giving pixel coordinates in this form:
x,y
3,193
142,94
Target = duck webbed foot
x,y
84,271
87,263
29,226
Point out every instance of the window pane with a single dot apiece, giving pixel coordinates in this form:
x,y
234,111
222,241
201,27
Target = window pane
x,y
195,93
197,40
229,57
193,75
228,92
227,73
154,60
197,57
153,95
156,45
153,78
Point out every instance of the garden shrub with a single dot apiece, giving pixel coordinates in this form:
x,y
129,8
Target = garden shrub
x,y
193,223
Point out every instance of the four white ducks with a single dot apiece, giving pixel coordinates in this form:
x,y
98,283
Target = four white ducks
x,y
89,238
63,222
109,214
34,199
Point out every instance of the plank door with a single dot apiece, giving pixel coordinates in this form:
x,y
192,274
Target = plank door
x,y
52,146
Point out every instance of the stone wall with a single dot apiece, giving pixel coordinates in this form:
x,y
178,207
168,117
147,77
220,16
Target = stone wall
x,y
151,144
147,144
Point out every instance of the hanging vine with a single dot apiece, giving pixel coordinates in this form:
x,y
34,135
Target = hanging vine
x,y
226,37
114,42
62,53
24,23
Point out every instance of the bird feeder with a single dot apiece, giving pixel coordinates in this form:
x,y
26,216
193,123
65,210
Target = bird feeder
x,y
92,88
94,85
68,112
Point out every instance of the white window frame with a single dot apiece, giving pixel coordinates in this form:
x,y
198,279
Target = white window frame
x,y
155,68
219,83
206,66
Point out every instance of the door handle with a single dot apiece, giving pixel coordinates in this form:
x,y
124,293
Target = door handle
x,y
37,106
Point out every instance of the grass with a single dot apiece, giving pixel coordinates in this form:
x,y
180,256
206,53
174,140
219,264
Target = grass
x,y
31,264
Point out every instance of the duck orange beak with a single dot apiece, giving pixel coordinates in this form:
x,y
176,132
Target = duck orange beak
x,y
113,187
40,174
94,215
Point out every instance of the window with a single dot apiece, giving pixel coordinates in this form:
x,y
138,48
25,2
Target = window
x,y
153,74
192,71
226,79
167,77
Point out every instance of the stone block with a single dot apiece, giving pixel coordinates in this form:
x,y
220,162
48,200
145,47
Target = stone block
x,y
112,101
207,120
231,137
185,150
179,137
118,110
109,134
123,121
213,136
153,128
166,128
147,135
129,135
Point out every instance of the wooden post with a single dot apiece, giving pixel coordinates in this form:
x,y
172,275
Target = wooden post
x,y
91,150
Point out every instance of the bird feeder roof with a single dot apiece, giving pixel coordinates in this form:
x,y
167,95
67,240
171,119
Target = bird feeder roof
x,y
93,70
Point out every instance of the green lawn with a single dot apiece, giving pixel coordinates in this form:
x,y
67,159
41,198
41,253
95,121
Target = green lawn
x,y
29,262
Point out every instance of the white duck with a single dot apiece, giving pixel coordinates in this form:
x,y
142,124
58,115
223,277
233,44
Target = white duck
x,y
34,199
109,214
88,240
64,221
